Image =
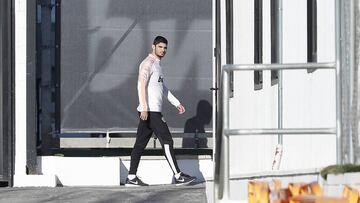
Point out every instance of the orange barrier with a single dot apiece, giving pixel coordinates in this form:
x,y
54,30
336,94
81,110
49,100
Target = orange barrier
x,y
299,189
258,192
263,192
305,189
315,189
275,185
280,195
316,199
351,194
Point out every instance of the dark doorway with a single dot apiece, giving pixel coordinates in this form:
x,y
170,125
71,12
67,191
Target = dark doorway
x,y
86,70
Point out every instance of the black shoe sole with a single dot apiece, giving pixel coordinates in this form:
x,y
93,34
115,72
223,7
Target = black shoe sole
x,y
132,185
185,183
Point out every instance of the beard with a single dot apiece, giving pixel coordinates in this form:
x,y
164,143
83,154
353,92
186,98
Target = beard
x,y
160,54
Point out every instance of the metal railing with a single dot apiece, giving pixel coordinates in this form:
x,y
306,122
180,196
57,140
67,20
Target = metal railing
x,y
222,183
222,170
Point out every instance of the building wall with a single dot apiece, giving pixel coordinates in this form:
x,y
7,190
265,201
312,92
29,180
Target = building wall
x,y
308,98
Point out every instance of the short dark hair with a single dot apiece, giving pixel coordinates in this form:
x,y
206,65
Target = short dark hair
x,y
159,39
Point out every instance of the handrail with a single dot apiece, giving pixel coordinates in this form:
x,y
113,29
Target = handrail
x,y
275,131
221,152
125,131
222,183
277,66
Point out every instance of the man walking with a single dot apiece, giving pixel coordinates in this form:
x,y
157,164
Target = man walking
x,y
151,90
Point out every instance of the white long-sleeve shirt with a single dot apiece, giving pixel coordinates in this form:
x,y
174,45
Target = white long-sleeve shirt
x,y
150,73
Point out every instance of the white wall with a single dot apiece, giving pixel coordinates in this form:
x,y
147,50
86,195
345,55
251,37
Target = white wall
x,y
309,98
20,88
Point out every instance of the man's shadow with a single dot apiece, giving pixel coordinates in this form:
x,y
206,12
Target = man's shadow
x,y
194,130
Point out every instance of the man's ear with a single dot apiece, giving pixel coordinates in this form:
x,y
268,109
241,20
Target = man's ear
x,y
153,47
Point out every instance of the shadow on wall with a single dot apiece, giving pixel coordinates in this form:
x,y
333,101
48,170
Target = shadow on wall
x,y
195,126
103,45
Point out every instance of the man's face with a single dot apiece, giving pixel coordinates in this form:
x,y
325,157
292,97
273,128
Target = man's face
x,y
159,50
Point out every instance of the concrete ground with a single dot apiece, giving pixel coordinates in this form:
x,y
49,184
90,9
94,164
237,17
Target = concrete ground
x,y
159,193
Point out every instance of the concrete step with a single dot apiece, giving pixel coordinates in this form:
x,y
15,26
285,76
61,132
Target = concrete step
x,y
112,171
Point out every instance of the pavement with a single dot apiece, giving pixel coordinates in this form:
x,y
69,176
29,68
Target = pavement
x,y
156,193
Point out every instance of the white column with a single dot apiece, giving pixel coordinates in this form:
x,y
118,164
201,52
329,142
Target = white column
x,y
20,88
21,179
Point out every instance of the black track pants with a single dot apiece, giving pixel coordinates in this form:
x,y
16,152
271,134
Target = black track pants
x,y
155,123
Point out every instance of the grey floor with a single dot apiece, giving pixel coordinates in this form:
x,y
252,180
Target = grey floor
x,y
160,193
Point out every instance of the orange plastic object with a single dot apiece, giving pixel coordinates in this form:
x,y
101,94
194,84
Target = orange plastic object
x,y
316,199
351,194
298,189
258,192
275,184
315,189
280,195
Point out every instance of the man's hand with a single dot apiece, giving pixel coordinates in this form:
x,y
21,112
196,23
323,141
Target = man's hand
x,y
181,109
144,115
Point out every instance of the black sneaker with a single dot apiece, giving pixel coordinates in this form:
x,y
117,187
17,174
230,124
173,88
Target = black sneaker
x,y
184,179
136,182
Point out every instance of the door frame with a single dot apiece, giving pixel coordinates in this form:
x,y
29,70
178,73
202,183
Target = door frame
x,y
7,56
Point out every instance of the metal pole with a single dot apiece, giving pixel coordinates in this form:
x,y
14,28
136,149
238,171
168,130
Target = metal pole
x,y
351,76
225,138
280,60
230,41
288,66
338,82
356,81
258,42
288,131
218,115
311,32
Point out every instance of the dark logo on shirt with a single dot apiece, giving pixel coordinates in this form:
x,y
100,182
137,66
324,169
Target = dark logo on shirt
x,y
161,79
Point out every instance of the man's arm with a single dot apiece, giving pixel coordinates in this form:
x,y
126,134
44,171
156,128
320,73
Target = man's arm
x,y
173,100
142,99
144,75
